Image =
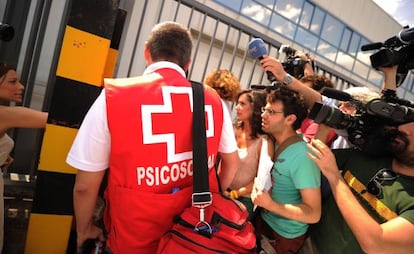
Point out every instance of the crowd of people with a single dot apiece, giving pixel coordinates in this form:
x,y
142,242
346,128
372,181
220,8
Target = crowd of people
x,y
370,209
367,204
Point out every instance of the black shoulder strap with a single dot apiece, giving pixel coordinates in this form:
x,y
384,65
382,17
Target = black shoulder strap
x,y
286,143
201,190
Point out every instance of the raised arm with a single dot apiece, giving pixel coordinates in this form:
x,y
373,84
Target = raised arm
x,y
274,66
390,74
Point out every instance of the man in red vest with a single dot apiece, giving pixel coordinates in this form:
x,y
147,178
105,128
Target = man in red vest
x,y
140,129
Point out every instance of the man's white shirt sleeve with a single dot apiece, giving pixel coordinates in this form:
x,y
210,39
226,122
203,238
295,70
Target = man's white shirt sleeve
x,y
228,141
91,147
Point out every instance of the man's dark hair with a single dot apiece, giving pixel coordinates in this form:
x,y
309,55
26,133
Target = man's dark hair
x,y
293,103
318,81
170,41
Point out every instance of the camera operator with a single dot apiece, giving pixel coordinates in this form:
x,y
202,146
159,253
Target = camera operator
x,y
371,208
359,93
364,95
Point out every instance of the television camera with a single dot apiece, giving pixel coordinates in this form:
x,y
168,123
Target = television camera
x,y
397,50
293,64
366,128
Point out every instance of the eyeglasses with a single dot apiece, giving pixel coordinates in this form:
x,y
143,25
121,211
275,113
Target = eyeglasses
x,y
270,111
374,186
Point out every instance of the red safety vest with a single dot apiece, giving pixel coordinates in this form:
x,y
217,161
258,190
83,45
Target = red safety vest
x,y
150,123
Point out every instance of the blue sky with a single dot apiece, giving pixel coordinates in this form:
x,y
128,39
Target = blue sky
x,y
401,10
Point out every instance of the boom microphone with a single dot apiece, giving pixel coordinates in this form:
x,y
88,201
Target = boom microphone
x,y
257,49
336,94
275,85
258,87
372,46
404,37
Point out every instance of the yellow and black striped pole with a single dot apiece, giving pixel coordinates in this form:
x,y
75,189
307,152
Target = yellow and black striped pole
x,y
87,55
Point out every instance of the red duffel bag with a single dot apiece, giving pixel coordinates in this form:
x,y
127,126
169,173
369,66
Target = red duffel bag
x,y
226,229
214,223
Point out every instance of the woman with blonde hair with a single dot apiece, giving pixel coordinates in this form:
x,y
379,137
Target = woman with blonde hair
x,y
225,83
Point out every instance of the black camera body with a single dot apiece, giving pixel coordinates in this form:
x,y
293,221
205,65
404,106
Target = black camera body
x,y
366,129
295,66
6,32
397,50
385,57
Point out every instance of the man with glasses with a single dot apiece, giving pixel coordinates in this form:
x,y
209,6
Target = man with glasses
x,y
371,209
294,201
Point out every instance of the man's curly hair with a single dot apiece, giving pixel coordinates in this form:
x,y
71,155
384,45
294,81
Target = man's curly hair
x,y
293,104
225,83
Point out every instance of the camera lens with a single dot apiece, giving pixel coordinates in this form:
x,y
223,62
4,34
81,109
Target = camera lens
x,y
6,32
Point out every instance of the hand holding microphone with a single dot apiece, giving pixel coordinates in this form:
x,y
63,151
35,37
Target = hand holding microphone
x,y
278,75
257,49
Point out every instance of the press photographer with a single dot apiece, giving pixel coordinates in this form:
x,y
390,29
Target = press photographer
x,y
365,129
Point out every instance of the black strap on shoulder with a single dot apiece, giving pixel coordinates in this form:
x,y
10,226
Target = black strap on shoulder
x,y
201,190
286,143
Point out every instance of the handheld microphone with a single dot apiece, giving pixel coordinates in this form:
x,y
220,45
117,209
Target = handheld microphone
x,y
336,94
257,49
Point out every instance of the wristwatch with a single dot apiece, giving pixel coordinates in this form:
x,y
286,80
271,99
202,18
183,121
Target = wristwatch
x,y
287,79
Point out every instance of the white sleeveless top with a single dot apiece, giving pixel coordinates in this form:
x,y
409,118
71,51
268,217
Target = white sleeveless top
x,y
6,145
